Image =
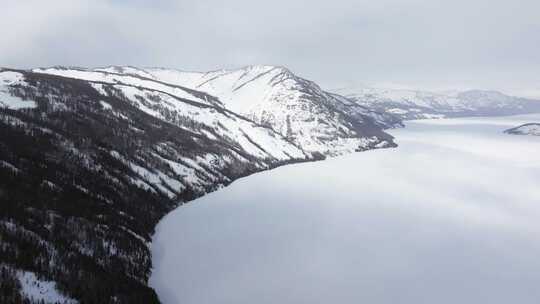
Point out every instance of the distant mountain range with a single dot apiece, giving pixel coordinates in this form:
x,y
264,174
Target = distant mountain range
x,y
414,104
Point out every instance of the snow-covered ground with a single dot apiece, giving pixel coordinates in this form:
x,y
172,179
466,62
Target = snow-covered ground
x,y
7,100
41,291
451,216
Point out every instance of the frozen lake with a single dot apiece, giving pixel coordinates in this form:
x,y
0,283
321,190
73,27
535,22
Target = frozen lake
x,y
451,216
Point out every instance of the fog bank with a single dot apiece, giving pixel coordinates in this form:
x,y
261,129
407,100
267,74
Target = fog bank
x,y
451,216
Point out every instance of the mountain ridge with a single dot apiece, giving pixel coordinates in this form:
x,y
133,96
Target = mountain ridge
x,y
271,96
419,104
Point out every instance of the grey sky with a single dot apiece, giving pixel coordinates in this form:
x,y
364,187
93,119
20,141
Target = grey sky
x,y
418,43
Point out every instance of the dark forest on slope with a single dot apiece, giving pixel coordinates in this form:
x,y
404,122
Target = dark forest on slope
x,y
70,210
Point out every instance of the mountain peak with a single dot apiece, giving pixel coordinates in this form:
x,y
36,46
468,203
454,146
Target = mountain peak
x,y
263,68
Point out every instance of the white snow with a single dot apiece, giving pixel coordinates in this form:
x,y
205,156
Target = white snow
x,y
272,95
268,95
397,111
41,290
126,70
235,88
13,102
236,129
105,105
451,216
7,100
158,179
5,164
127,79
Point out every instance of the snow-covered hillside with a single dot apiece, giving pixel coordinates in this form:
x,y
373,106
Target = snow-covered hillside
x,y
415,104
296,108
526,129
194,112
9,80
92,159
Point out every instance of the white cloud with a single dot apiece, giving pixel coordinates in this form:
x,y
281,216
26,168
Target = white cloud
x,y
491,44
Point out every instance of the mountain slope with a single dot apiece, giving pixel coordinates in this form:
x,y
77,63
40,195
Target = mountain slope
x,y
295,107
411,104
91,160
201,113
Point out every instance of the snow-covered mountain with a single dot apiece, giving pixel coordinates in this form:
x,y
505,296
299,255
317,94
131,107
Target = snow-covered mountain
x,y
414,104
270,96
91,159
526,129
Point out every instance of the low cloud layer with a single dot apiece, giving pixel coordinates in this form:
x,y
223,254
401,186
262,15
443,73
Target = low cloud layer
x,y
426,43
451,216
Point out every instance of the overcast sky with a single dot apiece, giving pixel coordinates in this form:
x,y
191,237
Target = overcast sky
x,y
413,43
